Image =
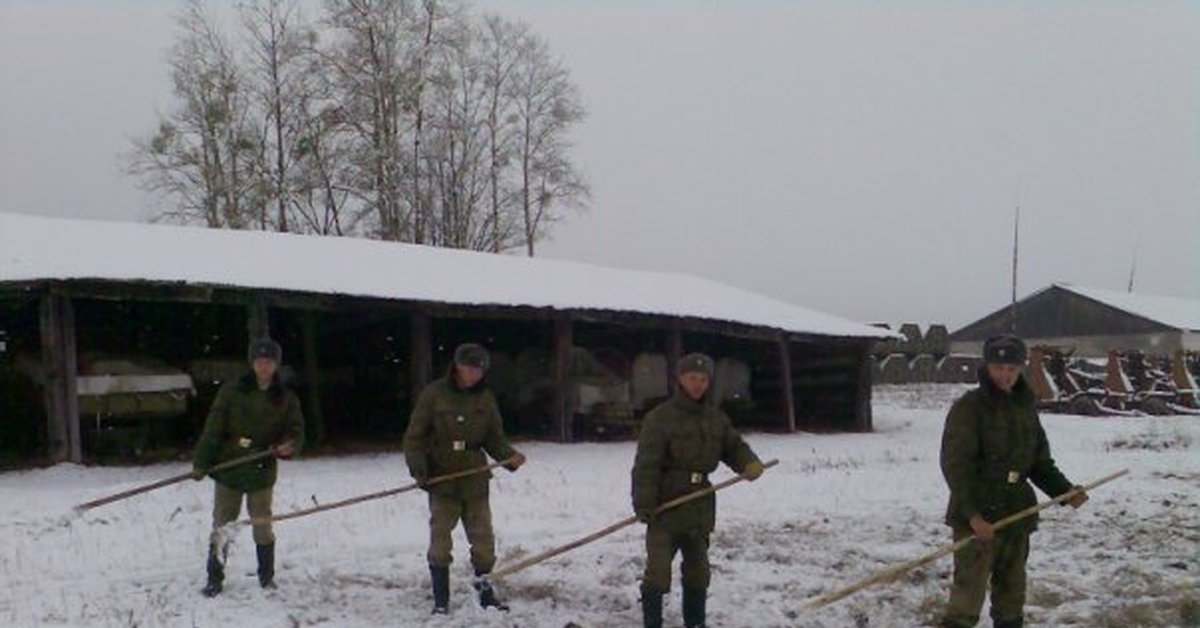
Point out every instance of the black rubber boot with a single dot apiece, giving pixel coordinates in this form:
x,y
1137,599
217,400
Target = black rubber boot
x,y
266,565
695,602
440,576
652,608
216,574
487,593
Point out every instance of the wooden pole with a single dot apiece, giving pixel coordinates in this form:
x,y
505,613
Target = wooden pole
x,y
892,573
551,553
372,496
173,479
563,382
785,375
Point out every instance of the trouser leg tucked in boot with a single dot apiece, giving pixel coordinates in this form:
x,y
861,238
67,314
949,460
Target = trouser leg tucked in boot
x,y
487,593
266,565
652,608
440,578
695,602
216,574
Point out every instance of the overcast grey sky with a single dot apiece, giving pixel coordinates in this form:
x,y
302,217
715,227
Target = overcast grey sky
x,y
862,159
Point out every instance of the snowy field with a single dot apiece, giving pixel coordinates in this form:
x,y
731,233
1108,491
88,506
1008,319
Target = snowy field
x,y
837,508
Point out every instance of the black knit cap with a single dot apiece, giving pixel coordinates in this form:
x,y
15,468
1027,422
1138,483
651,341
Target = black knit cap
x,y
695,363
1004,349
266,348
471,354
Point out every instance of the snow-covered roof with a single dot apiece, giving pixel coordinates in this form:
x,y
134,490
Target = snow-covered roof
x,y
1170,311
38,248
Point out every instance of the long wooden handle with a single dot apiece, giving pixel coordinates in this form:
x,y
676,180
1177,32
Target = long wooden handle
x,y
371,496
551,553
173,480
892,573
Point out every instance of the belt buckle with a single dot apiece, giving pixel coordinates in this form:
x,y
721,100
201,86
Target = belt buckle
x,y
459,445
697,478
244,442
1013,477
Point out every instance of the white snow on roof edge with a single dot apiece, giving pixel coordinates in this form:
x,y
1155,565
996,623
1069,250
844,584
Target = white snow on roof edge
x,y
36,248
1174,312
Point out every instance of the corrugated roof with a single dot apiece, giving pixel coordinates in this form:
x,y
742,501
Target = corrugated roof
x,y
37,248
1174,312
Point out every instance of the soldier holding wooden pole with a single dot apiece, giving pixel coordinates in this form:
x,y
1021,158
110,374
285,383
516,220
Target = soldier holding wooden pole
x,y
253,412
680,443
454,423
993,446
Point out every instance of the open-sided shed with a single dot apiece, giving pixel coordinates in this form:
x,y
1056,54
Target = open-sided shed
x,y
365,324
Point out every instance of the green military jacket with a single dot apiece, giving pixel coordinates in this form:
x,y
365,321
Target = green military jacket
x,y
449,431
992,446
243,420
680,443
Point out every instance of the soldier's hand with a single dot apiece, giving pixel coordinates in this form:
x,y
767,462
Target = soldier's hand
x,y
1079,499
983,530
198,474
753,470
515,461
645,516
285,450
422,481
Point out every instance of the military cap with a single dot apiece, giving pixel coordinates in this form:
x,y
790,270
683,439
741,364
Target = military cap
x,y
1004,349
695,363
471,354
266,348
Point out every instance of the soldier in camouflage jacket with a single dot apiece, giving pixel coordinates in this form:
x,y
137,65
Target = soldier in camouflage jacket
x,y
680,443
454,423
993,446
250,414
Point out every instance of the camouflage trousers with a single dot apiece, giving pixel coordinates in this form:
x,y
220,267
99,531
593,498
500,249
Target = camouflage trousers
x,y
476,515
1000,561
661,546
227,505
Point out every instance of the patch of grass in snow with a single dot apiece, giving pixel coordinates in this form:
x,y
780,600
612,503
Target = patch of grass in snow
x,y
1189,610
1151,440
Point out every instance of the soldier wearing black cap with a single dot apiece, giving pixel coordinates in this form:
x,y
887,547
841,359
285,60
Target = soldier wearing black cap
x,y
993,446
454,423
680,443
250,414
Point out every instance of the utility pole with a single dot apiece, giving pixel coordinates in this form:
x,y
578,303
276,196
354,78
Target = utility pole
x,y
1016,235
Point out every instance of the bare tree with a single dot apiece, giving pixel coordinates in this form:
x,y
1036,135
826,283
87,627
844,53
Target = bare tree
x,y
499,58
547,106
409,120
279,44
201,155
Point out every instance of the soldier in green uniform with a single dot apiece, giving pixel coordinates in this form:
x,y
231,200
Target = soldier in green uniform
x,y
993,445
455,421
680,443
250,414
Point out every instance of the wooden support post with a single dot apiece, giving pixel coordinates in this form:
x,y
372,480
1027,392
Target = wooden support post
x,y
57,322
788,396
563,340
420,365
258,320
674,352
315,420
863,421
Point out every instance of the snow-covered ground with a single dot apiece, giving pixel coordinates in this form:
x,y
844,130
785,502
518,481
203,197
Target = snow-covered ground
x,y
837,509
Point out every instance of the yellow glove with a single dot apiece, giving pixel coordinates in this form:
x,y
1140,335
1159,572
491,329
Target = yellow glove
x,y
754,470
